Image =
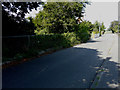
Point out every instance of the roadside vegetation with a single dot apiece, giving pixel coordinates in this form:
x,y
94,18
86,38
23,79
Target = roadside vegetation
x,y
58,25
114,27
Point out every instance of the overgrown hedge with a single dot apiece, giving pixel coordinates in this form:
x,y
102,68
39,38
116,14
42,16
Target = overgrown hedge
x,y
18,48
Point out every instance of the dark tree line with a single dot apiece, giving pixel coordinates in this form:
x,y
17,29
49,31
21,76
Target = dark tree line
x,y
17,24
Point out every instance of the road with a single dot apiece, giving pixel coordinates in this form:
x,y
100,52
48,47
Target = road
x,y
75,67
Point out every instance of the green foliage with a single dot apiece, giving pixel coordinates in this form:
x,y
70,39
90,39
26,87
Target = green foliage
x,y
95,31
39,43
13,18
58,17
102,27
18,56
23,49
114,27
43,42
99,28
19,8
83,31
56,27
96,25
71,37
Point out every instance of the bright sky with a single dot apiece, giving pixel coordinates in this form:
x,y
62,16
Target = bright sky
x,y
33,12
102,10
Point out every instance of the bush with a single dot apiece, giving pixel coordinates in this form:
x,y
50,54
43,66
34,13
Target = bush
x,y
43,42
29,47
82,32
71,37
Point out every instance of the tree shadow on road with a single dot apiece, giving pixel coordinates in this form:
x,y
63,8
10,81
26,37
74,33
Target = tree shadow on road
x,y
69,68
110,75
92,41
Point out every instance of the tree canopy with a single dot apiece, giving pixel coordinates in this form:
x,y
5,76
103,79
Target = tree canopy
x,y
58,17
17,10
114,26
99,27
13,18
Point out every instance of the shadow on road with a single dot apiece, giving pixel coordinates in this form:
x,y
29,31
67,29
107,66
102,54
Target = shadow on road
x,y
110,75
69,68
92,41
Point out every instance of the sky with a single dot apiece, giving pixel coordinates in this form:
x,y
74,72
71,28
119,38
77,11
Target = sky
x,y
101,10
33,12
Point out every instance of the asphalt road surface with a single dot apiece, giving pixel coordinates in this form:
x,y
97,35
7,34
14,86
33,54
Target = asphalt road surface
x,y
90,65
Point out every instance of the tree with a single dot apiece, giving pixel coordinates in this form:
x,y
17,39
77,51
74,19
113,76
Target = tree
x,y
10,27
102,28
90,26
84,30
99,27
58,17
13,17
17,10
114,26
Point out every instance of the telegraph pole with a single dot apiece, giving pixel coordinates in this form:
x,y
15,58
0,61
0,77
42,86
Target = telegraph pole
x,y
118,39
99,29
118,16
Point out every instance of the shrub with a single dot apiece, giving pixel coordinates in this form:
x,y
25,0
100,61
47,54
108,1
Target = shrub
x,y
82,32
43,42
71,37
33,45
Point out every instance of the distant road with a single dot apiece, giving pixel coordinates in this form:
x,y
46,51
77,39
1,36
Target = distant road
x,y
73,67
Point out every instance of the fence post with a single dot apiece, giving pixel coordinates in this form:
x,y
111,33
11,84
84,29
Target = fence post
x,y
28,41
